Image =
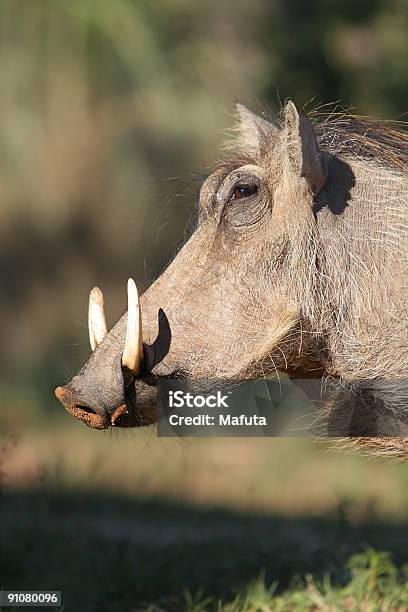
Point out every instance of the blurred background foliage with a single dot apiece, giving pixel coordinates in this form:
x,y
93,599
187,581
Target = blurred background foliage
x,y
111,114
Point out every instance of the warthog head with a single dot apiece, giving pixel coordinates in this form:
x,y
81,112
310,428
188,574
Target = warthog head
x,y
237,300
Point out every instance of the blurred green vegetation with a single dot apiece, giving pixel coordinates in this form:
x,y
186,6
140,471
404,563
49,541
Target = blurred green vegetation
x,y
111,114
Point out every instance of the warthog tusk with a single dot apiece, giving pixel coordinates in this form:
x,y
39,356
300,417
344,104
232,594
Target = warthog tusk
x,y
96,318
133,351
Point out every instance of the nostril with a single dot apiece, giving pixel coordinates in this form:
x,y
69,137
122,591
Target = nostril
x,y
87,415
86,409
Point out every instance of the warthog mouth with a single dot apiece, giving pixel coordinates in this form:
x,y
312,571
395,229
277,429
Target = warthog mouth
x,y
128,381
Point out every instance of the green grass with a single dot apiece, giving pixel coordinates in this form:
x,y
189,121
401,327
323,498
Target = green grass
x,y
374,584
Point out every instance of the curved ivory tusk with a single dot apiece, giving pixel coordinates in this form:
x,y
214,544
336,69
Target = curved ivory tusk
x,y
133,351
96,318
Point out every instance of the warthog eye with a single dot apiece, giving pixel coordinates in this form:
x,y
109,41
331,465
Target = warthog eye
x,y
243,190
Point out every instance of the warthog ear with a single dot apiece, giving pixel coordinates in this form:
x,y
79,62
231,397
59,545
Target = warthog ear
x,y
304,155
253,134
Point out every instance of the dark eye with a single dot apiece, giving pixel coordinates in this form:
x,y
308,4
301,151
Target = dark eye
x,y
243,190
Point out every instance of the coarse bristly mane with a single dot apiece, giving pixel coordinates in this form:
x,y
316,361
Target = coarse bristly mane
x,y
344,134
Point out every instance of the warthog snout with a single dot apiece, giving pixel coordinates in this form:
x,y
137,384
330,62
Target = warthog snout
x,y
93,396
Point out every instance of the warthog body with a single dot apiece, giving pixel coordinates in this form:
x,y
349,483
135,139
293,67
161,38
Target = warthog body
x,y
298,264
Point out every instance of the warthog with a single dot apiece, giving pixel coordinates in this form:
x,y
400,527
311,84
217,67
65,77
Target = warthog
x,y
298,264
